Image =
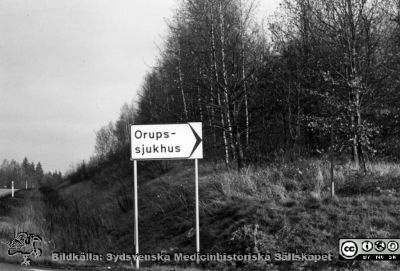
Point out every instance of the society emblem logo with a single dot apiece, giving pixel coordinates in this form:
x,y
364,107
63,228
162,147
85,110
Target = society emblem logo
x,y
349,249
25,244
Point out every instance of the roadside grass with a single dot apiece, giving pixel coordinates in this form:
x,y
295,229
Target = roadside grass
x,y
384,168
272,208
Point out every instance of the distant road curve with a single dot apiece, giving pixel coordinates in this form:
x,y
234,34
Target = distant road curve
x,y
5,192
16,267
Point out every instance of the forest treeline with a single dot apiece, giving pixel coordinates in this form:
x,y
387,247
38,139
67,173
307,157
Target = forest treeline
x,y
318,76
26,173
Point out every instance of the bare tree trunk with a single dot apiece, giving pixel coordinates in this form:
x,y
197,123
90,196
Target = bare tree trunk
x,y
289,105
246,107
216,78
359,124
185,111
226,146
354,139
212,113
199,102
298,127
227,102
331,160
238,143
354,94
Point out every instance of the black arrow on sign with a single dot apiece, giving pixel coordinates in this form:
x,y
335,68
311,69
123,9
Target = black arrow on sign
x,y
198,139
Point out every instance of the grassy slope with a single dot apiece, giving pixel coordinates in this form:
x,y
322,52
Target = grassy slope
x,y
19,214
282,207
276,208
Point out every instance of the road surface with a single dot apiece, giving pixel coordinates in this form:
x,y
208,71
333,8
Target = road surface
x,y
15,267
5,192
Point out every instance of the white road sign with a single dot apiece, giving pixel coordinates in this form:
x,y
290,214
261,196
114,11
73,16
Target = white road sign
x,y
167,141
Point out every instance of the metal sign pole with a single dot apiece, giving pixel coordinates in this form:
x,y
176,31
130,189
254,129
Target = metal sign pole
x,y
136,212
196,168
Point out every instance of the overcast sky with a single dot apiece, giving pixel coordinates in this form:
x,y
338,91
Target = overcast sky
x,y
67,67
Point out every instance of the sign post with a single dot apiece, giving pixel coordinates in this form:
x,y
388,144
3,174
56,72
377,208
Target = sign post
x,y
166,142
136,226
196,169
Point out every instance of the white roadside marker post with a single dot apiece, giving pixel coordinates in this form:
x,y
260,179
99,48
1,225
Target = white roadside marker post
x,y
12,188
26,185
332,166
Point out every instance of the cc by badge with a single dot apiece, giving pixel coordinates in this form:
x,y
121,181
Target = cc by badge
x,y
349,249
367,246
